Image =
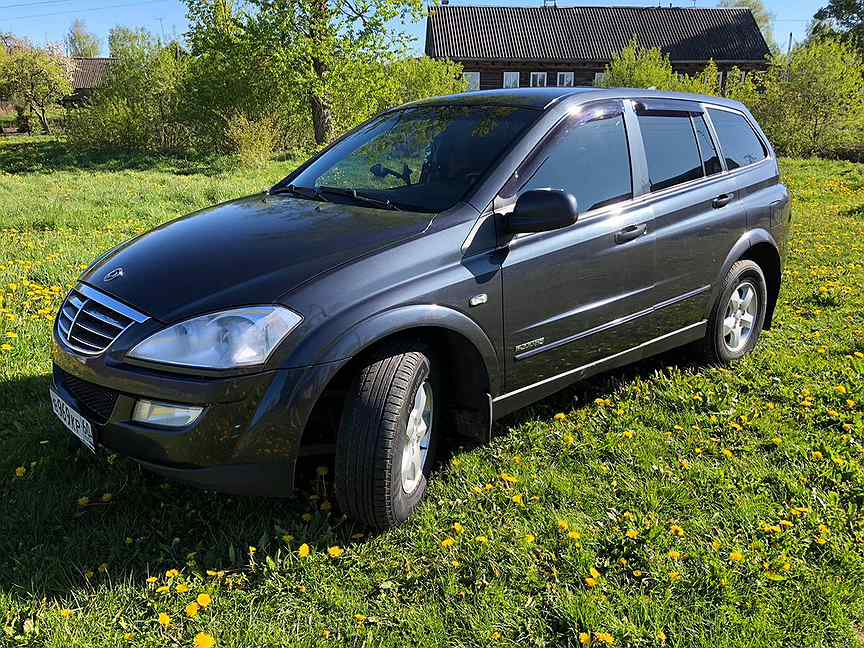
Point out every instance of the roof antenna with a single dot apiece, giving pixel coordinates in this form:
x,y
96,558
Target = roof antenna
x,y
550,3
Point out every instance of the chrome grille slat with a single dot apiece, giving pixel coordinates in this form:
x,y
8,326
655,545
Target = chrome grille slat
x,y
89,321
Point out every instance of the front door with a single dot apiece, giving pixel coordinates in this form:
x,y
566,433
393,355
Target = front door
x,y
583,293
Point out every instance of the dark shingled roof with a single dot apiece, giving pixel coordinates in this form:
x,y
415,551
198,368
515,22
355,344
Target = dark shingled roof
x,y
90,73
590,34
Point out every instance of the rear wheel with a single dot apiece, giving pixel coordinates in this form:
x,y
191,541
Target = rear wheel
x,y
738,314
387,436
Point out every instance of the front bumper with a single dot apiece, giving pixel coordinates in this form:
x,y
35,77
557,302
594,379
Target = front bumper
x,y
246,441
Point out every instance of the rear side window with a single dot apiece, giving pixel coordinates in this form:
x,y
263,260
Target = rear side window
x,y
590,160
710,158
670,146
740,144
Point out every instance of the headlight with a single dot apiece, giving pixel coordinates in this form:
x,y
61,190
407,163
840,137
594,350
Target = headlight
x,y
235,338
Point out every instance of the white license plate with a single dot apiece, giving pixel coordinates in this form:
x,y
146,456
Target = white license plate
x,y
77,424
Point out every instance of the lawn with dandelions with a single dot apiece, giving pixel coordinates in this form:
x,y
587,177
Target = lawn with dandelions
x,y
667,503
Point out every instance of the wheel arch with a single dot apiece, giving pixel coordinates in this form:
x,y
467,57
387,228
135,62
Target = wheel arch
x,y
464,352
760,247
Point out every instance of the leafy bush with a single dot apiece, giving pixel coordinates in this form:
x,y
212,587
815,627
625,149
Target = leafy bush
x,y
253,140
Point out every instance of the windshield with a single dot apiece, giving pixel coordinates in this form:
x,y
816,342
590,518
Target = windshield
x,y
418,159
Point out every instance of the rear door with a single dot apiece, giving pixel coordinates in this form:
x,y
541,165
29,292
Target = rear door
x,y
582,293
698,211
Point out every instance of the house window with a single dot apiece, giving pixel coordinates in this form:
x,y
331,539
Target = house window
x,y
599,78
538,79
473,79
565,79
511,79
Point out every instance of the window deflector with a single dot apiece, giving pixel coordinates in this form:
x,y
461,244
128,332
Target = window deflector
x,y
535,159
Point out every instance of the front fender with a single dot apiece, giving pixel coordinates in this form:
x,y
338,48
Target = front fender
x,y
403,318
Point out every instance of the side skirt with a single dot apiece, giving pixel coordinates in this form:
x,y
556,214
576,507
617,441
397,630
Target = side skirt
x,y
519,398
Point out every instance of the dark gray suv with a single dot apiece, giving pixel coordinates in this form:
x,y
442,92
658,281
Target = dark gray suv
x,y
442,265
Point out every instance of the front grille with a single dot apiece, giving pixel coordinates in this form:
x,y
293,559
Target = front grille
x,y
90,321
98,401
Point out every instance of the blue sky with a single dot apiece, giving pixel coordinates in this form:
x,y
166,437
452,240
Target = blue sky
x,y
49,20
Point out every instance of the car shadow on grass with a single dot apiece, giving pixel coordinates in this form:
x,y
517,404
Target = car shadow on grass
x,y
75,519
27,156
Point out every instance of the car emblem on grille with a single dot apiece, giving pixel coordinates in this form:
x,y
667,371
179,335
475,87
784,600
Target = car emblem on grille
x,y
116,273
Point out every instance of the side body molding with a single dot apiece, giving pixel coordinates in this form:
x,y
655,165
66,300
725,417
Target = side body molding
x,y
403,318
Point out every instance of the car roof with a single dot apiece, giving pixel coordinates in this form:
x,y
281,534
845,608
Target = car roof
x,y
543,98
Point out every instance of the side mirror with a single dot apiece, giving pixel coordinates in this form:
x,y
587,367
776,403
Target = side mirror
x,y
542,210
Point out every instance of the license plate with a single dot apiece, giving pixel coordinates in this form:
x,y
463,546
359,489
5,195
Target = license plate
x,y
77,424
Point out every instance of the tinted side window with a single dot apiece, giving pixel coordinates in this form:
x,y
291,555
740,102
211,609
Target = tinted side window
x,y
709,154
670,146
590,160
740,144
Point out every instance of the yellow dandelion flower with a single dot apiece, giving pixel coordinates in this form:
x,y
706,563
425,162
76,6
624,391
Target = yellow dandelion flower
x,y
628,434
604,638
192,610
661,636
841,389
481,540
20,471
530,538
182,588
727,453
674,576
448,542
496,636
560,416
66,613
172,573
5,347
204,600
458,528
360,618
569,439
590,581
632,534
594,573
164,589
152,579
164,620
817,456
584,638
563,526
575,536
510,479
204,640
12,335
637,573
674,554
335,552
456,564
129,637
676,531
304,550
736,556
83,501
518,500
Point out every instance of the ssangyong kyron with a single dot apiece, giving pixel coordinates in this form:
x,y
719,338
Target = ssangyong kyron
x,y
441,265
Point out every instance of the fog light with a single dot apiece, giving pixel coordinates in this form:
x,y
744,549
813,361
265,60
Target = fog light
x,y
167,414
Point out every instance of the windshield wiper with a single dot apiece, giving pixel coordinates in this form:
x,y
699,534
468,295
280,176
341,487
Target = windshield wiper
x,y
309,193
358,197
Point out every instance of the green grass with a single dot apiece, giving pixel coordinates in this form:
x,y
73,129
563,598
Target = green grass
x,y
727,456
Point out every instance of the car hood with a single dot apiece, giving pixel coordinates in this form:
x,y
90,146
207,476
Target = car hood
x,y
244,252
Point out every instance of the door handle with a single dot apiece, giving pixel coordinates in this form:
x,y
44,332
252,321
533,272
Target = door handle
x,y
630,233
721,201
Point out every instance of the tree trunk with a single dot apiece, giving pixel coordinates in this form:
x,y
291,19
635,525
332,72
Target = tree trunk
x,y
322,114
44,121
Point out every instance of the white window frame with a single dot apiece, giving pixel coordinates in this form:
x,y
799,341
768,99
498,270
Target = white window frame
x,y
565,75
473,79
599,77
538,76
511,73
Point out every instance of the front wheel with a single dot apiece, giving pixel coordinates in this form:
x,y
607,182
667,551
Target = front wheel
x,y
738,314
386,441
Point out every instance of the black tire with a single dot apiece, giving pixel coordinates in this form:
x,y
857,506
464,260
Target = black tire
x,y
372,436
718,346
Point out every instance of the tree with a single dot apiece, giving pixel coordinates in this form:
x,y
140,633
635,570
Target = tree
x,y
764,18
124,40
841,18
80,42
37,79
304,43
